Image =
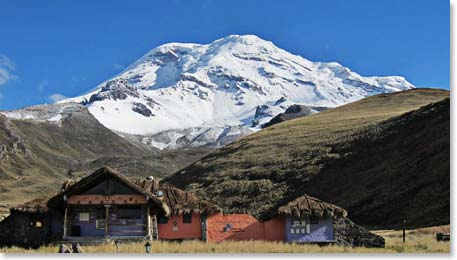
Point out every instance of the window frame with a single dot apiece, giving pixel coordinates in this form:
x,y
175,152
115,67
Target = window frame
x,y
162,219
100,223
313,220
80,219
37,223
100,213
187,218
139,210
296,223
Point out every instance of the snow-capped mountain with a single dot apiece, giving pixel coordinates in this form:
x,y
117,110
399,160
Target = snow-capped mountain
x,y
181,94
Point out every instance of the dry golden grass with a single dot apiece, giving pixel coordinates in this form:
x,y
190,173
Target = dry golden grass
x,y
414,232
417,241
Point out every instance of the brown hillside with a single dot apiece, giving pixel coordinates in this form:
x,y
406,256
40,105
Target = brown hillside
x,y
35,157
323,155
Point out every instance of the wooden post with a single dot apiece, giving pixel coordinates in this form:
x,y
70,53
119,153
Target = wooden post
x,y
148,224
404,230
155,230
107,220
204,228
65,223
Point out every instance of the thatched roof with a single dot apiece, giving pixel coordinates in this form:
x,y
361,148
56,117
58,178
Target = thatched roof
x,y
178,201
38,205
305,206
74,187
173,200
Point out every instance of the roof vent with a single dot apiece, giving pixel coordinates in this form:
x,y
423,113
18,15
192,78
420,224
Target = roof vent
x,y
150,178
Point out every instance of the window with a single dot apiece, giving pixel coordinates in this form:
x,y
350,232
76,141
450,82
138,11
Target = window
x,y
84,216
314,220
300,226
129,212
101,213
100,224
187,218
228,227
36,223
162,220
298,223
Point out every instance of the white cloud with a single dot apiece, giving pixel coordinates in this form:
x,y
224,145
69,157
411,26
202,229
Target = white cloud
x,y
6,70
56,97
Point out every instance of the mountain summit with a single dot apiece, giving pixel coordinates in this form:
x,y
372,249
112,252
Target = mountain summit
x,y
182,94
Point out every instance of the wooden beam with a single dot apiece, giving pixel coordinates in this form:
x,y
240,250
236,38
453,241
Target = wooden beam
x,y
107,220
65,223
122,199
155,230
204,228
107,186
148,224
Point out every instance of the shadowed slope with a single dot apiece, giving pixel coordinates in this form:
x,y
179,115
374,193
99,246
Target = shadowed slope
x,y
398,169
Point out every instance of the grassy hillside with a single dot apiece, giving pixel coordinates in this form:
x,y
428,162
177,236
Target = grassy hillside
x,y
35,158
349,155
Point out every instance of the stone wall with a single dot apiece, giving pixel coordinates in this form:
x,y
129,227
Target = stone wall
x,y
347,233
24,229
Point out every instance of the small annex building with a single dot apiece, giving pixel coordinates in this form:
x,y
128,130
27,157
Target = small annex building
x,y
106,206
305,219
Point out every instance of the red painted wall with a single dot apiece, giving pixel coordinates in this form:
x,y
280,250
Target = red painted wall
x,y
183,230
244,227
275,229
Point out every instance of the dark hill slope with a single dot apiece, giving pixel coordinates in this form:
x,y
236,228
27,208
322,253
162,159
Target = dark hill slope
x,y
398,169
266,169
35,157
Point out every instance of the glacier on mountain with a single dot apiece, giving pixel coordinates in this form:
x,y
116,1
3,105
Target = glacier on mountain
x,y
182,94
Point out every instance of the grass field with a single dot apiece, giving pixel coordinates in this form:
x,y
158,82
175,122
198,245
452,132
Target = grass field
x,y
417,241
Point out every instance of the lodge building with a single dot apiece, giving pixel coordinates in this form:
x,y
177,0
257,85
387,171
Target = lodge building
x,y
106,206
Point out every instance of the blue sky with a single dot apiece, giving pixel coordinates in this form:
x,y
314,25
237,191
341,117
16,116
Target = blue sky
x,y
50,49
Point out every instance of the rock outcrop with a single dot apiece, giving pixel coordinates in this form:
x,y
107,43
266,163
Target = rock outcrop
x,y
294,111
142,109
